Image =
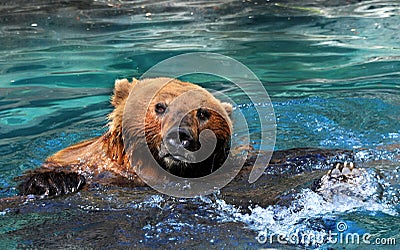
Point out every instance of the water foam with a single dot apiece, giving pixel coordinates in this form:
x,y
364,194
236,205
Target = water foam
x,y
306,215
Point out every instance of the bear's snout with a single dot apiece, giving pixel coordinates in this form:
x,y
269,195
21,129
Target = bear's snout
x,y
181,137
177,146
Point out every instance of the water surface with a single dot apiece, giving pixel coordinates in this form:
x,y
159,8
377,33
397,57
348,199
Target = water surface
x,y
331,68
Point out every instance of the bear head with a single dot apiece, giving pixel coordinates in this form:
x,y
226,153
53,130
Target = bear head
x,y
184,127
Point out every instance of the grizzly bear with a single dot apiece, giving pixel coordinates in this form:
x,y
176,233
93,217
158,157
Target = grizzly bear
x,y
172,120
176,114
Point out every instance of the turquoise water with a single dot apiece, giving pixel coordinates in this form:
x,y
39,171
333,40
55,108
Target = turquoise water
x,y
331,68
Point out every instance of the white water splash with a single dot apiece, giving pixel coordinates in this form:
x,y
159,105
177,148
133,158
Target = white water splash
x,y
299,218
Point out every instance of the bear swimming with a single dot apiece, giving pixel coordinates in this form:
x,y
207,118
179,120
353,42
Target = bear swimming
x,y
169,139
174,117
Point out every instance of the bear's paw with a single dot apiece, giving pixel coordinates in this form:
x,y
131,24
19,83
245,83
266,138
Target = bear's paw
x,y
52,184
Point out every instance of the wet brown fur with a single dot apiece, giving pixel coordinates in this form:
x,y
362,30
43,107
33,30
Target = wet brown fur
x,y
93,157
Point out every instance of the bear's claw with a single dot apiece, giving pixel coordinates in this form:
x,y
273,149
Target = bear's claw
x,y
52,183
342,172
344,179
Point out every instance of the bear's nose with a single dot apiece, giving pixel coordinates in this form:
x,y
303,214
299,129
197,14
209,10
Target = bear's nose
x,y
181,137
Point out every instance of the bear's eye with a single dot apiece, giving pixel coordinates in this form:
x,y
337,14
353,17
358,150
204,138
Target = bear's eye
x,y
160,108
203,114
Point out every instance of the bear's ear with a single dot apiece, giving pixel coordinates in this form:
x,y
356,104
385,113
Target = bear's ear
x,y
228,107
122,90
